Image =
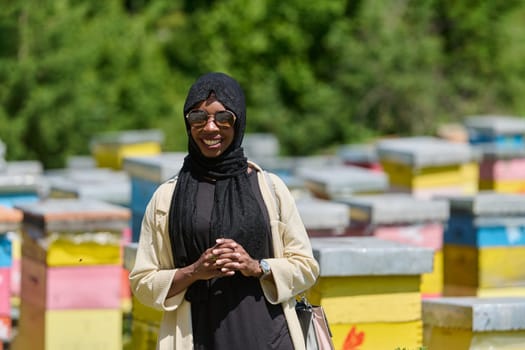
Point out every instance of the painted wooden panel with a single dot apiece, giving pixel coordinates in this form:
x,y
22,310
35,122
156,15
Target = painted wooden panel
x,y
432,283
464,229
79,287
144,313
503,186
465,323
502,169
5,291
377,335
68,329
462,339
6,254
438,176
112,156
424,235
144,335
463,291
61,250
484,268
365,298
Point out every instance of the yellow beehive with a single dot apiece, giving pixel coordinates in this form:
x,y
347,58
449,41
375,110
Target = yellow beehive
x,y
470,323
68,329
423,165
369,288
109,149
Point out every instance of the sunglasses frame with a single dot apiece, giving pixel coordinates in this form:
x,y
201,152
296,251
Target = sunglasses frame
x,y
219,124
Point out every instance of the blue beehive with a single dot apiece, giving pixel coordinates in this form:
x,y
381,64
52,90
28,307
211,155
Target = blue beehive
x,y
147,173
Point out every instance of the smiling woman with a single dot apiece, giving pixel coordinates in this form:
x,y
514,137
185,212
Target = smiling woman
x,y
212,135
217,253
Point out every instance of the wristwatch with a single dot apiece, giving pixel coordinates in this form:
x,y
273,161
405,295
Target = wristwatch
x,y
265,267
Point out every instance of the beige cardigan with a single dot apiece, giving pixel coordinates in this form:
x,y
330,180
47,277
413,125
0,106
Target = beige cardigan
x,y
294,268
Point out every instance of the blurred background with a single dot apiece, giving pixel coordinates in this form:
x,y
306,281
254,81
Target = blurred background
x,y
341,71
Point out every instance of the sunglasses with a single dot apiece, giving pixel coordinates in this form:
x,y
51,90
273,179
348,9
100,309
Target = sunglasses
x,y
199,118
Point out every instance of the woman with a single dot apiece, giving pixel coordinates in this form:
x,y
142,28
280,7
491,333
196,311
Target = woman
x,y
222,251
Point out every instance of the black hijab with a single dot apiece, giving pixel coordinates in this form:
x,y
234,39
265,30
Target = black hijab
x,y
236,213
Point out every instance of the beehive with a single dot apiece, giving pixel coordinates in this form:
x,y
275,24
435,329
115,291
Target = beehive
x,y
71,276
426,166
407,219
470,323
370,290
484,231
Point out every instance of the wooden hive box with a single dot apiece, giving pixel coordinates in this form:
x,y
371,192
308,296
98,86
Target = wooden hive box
x,y
407,219
370,290
425,166
483,231
471,323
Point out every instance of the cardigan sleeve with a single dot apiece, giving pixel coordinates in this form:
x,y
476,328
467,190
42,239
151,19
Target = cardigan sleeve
x,y
294,268
153,272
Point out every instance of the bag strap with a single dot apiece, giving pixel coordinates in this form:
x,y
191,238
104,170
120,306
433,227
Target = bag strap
x,y
274,195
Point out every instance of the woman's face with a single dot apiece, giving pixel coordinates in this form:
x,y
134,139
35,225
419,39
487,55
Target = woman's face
x,y
212,140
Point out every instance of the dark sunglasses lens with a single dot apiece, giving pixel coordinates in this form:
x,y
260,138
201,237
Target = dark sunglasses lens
x,y
197,118
224,119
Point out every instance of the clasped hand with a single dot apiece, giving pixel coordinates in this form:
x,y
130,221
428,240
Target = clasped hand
x,y
224,259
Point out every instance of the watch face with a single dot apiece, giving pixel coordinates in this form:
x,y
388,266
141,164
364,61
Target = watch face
x,y
265,267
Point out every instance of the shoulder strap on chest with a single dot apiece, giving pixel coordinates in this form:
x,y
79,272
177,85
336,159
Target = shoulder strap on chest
x,y
274,195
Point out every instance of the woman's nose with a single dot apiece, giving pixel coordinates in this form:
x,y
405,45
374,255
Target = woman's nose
x,y
210,125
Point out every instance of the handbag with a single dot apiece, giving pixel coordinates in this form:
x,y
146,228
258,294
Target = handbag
x,y
316,331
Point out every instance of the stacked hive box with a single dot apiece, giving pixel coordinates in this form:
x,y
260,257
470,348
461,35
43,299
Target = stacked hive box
x,y
71,275
498,130
370,290
109,149
427,166
404,218
360,155
146,174
500,140
323,218
111,186
484,246
20,182
336,182
145,321
474,323
9,222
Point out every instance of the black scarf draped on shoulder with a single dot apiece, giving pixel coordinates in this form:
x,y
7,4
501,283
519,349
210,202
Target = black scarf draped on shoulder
x,y
236,213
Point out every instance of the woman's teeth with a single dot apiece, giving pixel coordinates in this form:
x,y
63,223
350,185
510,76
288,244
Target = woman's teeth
x,y
211,142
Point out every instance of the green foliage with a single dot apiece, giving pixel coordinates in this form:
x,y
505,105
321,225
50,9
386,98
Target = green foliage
x,y
316,73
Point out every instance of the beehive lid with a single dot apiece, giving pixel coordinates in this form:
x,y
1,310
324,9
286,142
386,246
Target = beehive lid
x,y
476,314
125,137
358,153
361,256
74,215
155,168
321,214
424,151
488,203
495,151
396,208
495,124
115,192
10,219
21,177
342,181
